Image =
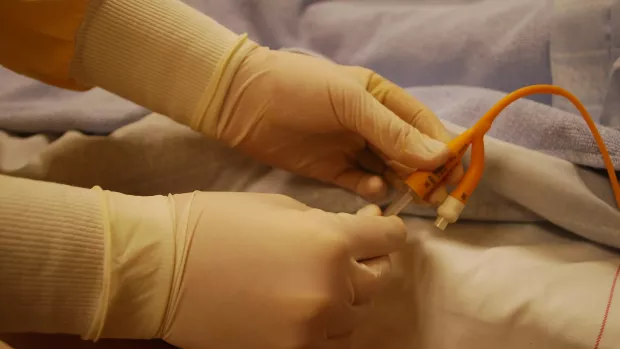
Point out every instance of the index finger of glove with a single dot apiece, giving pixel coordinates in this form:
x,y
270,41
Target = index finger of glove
x,y
373,236
406,107
401,103
412,111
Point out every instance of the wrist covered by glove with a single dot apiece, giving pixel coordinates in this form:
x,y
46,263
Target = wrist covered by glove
x,y
238,270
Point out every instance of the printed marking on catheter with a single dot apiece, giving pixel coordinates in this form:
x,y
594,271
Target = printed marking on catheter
x,y
610,300
439,170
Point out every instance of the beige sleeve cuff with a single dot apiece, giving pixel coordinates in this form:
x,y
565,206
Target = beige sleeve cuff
x,y
86,262
161,54
51,256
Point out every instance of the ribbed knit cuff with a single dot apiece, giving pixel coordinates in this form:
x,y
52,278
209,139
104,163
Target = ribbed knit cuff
x,y
161,54
51,256
88,262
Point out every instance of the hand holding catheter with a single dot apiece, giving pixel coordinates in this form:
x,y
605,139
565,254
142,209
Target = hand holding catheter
x,y
422,183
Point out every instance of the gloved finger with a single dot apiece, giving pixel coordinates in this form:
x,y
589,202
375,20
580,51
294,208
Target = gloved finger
x,y
391,167
407,107
401,103
403,171
369,210
371,162
369,186
371,237
275,199
411,111
341,321
394,180
370,277
394,137
438,196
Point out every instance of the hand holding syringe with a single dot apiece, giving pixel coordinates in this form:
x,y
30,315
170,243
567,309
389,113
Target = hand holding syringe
x,y
422,183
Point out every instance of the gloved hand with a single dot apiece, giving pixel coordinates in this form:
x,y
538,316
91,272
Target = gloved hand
x,y
334,123
240,270
266,271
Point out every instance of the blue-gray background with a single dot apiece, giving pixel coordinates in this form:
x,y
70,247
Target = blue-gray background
x,y
457,56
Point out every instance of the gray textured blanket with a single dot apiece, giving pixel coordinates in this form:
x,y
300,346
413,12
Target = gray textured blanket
x,y
474,50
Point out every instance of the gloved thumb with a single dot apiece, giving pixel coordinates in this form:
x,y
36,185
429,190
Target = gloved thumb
x,y
395,138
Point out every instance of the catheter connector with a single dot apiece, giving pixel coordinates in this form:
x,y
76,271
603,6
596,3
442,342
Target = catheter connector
x,y
448,212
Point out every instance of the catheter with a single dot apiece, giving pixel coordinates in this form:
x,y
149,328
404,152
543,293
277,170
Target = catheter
x,y
422,183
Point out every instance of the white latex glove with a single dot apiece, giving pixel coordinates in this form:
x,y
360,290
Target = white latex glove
x,y
334,123
266,271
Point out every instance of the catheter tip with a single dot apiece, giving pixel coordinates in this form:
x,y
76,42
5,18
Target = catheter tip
x,y
441,223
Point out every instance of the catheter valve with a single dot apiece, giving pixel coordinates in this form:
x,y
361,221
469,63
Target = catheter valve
x,y
448,212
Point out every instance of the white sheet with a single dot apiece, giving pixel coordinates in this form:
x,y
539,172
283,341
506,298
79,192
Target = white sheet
x,y
477,285
510,286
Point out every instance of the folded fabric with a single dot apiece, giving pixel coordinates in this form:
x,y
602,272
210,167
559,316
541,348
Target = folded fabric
x,y
585,43
28,106
157,156
527,123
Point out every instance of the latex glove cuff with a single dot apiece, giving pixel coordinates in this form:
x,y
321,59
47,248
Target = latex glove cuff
x,y
138,266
